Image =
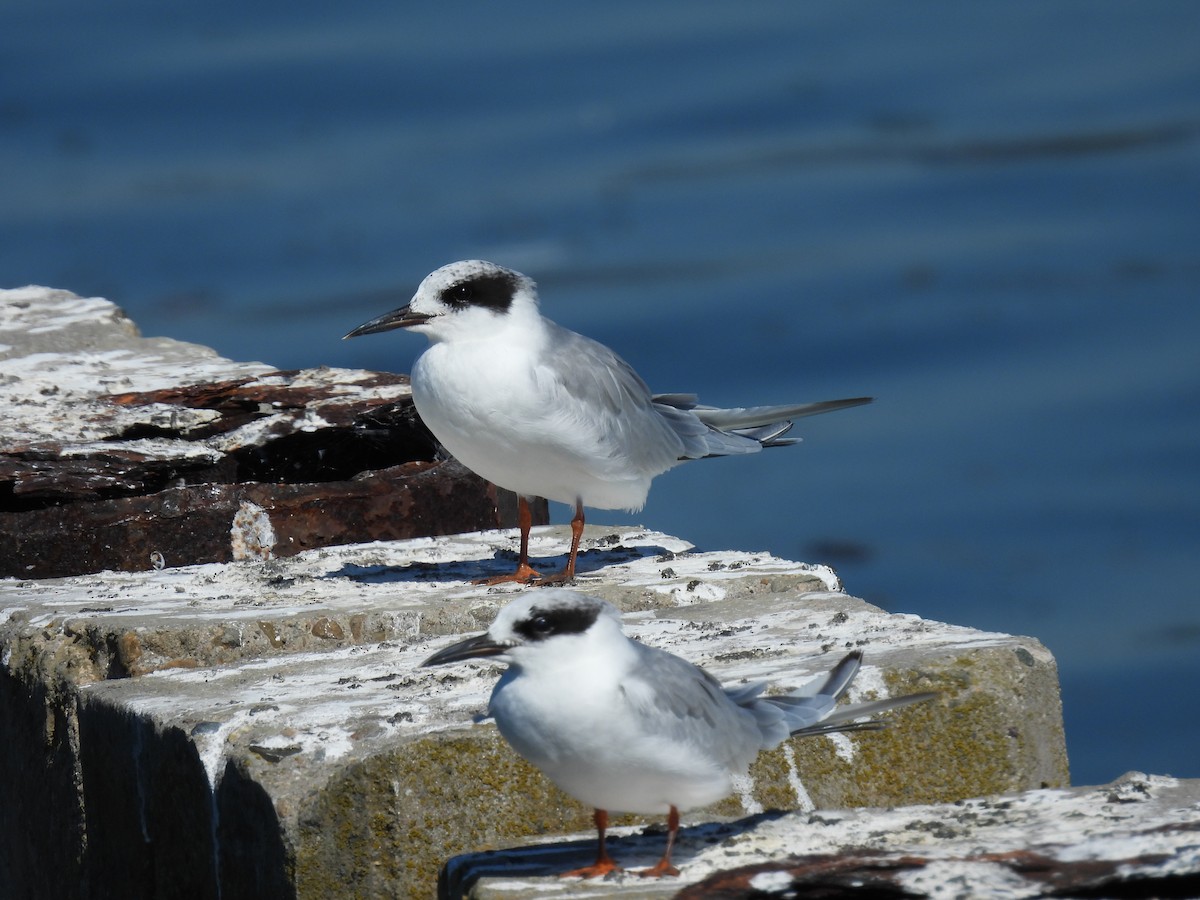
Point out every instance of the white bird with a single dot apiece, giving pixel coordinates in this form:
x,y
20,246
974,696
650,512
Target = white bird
x,y
544,412
626,727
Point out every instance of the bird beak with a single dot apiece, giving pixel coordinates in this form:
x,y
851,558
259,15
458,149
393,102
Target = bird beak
x,y
480,645
404,317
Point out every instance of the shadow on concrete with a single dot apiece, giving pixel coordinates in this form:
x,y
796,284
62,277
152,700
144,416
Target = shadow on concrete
x,y
635,851
588,562
253,860
154,827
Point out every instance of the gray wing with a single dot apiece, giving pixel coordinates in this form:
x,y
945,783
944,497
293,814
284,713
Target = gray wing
x,y
619,408
746,429
684,703
842,718
655,431
814,710
743,417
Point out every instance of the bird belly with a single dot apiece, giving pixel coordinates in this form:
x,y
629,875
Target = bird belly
x,y
488,412
588,747
628,788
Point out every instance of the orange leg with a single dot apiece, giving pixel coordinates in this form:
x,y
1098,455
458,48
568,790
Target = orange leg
x,y
525,573
604,863
663,866
567,575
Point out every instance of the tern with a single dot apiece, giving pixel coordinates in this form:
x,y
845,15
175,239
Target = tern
x,y
622,726
541,411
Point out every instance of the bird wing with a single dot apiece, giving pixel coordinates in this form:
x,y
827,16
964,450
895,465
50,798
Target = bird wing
x,y
609,405
684,704
744,417
745,429
813,709
853,711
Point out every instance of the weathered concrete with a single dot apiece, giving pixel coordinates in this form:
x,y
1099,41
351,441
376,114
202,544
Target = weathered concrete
x,y
124,452
1137,837
264,726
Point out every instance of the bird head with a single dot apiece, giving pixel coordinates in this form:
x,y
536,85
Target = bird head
x,y
547,626
464,299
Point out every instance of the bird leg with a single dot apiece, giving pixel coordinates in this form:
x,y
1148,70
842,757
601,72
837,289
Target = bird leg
x,y
663,866
604,863
525,573
567,575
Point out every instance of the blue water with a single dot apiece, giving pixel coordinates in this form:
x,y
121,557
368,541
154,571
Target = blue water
x,y
986,215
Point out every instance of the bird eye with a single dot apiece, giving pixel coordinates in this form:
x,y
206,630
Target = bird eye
x,y
494,292
541,624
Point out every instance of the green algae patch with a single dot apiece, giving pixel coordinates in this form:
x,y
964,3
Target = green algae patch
x,y
385,825
973,739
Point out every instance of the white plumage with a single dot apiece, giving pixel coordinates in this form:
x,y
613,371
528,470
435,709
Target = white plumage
x,y
544,412
625,727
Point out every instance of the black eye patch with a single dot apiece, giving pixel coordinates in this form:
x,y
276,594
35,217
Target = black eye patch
x,y
494,292
543,623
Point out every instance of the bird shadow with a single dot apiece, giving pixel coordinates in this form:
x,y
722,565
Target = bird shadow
x,y
633,851
587,563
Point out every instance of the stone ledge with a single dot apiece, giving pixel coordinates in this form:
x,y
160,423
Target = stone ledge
x,y
272,727
1136,837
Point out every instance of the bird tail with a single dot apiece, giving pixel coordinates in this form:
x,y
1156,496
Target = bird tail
x,y
812,711
743,429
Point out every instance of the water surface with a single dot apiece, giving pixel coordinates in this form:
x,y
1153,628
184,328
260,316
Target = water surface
x,y
986,215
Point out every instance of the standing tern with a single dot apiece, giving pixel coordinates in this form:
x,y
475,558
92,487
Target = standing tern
x,y
544,412
626,727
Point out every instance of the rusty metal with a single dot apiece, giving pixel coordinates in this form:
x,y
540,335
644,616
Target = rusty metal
x,y
369,472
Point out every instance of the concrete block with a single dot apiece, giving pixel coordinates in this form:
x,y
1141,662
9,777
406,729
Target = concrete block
x,y
263,728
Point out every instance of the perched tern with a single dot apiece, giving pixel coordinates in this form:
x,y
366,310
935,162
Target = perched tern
x,y
544,412
625,727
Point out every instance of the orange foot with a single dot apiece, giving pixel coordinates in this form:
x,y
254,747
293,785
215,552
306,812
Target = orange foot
x,y
525,574
595,870
566,576
658,870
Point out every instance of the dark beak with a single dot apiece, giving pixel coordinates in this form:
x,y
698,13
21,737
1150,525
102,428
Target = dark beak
x,y
397,318
480,645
